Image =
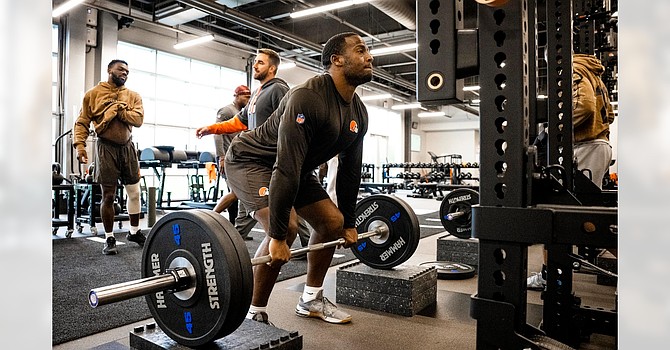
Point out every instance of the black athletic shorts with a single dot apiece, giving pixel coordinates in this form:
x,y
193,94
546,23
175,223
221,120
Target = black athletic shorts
x,y
116,162
250,181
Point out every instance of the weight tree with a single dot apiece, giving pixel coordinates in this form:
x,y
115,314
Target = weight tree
x,y
521,202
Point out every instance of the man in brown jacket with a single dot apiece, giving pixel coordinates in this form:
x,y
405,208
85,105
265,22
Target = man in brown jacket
x,y
592,115
113,110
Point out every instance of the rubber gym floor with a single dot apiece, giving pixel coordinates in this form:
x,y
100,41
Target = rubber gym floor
x,y
447,325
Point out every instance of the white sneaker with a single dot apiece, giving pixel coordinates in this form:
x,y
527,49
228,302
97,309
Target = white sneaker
x,y
322,308
536,282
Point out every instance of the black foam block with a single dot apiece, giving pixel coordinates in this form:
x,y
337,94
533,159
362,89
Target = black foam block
x,y
251,335
404,290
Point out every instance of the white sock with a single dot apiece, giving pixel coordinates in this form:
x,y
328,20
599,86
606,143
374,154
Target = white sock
x,y
310,293
253,310
134,229
109,234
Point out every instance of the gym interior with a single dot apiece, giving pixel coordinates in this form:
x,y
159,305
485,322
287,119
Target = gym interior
x,y
462,91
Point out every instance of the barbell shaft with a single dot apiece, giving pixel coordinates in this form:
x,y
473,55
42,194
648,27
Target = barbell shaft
x,y
177,278
319,246
454,215
171,279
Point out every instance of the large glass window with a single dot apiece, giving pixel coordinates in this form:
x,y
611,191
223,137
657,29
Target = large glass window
x,y
179,95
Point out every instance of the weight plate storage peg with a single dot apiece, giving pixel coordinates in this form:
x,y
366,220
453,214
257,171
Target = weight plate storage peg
x,y
398,244
216,299
456,211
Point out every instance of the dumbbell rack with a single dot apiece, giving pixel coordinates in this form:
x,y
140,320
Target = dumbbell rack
x,y
367,172
443,176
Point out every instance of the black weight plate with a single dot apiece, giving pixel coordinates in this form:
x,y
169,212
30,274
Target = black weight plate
x,y
211,312
448,270
402,239
461,199
416,237
245,284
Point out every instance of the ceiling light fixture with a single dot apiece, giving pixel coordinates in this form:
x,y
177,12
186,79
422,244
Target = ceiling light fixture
x,y
326,8
286,65
471,88
393,49
406,106
375,97
431,114
196,41
65,7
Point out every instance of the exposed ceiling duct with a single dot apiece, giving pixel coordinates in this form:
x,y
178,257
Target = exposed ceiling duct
x,y
234,3
403,11
255,23
299,48
172,13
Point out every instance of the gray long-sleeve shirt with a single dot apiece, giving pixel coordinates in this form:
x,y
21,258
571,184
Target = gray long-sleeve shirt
x,y
263,102
222,141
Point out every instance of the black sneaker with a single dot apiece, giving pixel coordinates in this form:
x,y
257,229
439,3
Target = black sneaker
x,y
137,238
110,246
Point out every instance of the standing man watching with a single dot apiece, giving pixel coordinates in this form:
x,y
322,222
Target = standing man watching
x,y
262,103
591,117
113,110
271,169
240,100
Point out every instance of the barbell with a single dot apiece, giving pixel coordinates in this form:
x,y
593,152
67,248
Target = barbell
x,y
182,275
197,273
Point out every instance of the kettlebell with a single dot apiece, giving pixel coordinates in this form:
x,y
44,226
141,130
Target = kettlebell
x,y
56,177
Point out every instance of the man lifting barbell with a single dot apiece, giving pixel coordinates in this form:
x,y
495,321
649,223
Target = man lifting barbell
x,y
271,171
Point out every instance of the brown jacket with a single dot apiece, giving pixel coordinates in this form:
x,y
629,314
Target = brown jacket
x,y
103,103
592,112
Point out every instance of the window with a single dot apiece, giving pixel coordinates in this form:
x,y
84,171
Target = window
x,y
415,143
55,91
179,94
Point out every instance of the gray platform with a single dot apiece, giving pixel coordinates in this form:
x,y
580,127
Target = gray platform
x,y
405,290
451,248
251,335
